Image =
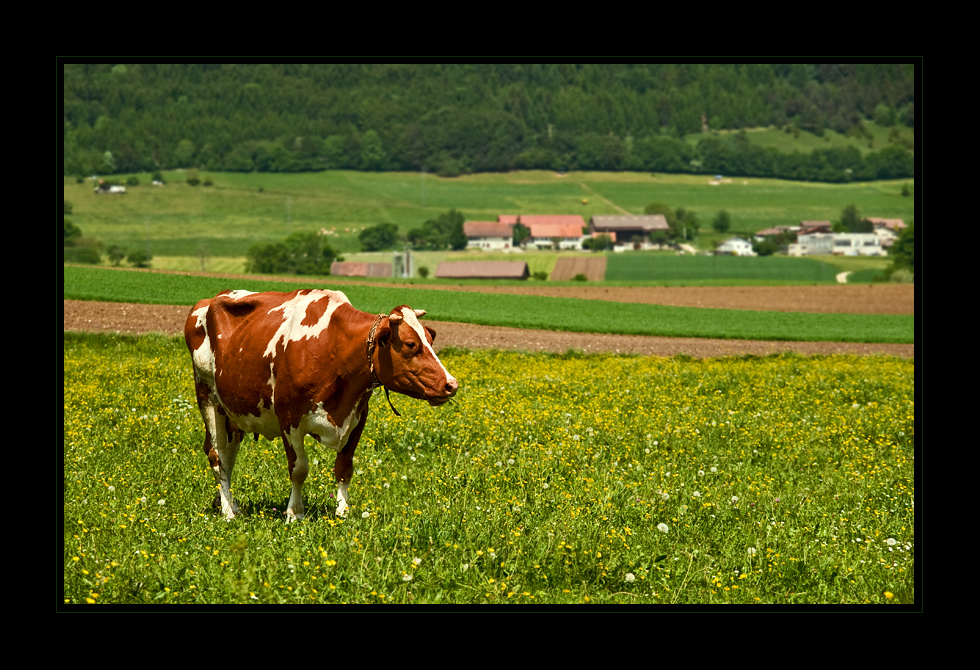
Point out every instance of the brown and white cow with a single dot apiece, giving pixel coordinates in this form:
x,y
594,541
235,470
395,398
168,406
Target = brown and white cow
x,y
302,363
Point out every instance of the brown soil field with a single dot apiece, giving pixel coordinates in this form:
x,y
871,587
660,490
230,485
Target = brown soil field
x,y
566,269
868,299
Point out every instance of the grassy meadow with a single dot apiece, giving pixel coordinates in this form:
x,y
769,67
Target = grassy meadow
x,y
240,209
554,480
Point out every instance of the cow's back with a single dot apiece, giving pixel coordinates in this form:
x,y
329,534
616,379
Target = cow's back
x,y
237,339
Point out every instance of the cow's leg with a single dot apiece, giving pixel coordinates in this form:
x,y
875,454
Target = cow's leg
x,y
226,451
221,443
299,467
343,467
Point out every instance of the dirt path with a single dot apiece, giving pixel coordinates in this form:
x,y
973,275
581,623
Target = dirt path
x,y
169,319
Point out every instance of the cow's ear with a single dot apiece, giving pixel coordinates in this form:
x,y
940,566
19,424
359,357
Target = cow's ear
x,y
432,333
383,336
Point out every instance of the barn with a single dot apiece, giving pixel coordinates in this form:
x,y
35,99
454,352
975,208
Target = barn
x,y
482,270
344,269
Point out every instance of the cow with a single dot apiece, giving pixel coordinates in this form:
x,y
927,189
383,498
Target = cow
x,y
302,363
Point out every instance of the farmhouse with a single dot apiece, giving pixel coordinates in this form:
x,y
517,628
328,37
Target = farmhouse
x,y
629,231
343,269
887,230
808,227
488,235
483,270
735,246
546,229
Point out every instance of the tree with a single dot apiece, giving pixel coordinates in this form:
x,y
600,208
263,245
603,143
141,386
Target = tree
x,y
139,258
521,233
379,237
116,254
444,231
601,242
722,222
373,156
903,250
851,221
301,253
72,233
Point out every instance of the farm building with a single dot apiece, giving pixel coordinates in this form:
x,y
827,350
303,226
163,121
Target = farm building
x,y
488,235
812,244
567,229
735,246
483,270
626,229
341,269
843,244
809,227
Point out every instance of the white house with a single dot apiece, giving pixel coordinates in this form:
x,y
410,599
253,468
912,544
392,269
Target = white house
x,y
812,244
735,246
488,235
858,244
547,228
845,244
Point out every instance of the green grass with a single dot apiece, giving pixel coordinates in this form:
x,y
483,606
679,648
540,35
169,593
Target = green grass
x,y
224,220
661,267
518,311
805,142
554,481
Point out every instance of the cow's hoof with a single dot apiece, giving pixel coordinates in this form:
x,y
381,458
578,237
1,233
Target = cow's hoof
x,y
342,511
291,516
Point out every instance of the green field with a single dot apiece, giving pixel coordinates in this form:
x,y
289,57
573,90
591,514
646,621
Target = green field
x,y
649,267
554,480
518,311
241,209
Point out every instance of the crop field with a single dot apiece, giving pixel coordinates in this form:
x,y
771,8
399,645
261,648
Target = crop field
x,y
554,480
517,311
661,267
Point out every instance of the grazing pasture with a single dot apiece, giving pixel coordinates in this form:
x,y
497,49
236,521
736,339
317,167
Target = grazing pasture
x,y
552,480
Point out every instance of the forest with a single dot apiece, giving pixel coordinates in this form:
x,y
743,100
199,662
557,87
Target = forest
x,y
454,119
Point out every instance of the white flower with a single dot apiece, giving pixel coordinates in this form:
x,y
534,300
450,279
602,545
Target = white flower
x,y
406,577
734,499
161,502
891,542
630,577
417,561
365,515
696,494
751,551
662,527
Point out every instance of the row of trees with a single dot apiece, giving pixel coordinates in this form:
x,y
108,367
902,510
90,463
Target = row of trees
x,y
452,119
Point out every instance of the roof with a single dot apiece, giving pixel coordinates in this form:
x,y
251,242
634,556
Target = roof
x,y
483,270
647,223
529,219
549,230
891,224
487,229
341,269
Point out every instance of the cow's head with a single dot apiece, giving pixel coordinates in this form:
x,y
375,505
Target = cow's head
x,y
407,363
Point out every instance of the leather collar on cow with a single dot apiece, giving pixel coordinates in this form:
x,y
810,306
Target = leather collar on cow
x,y
375,382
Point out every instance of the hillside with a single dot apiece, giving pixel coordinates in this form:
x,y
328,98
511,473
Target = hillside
x,y
459,119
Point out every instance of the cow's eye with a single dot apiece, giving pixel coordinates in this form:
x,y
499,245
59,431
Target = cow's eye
x,y
410,345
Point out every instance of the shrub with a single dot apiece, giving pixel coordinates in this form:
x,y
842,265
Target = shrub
x,y
424,271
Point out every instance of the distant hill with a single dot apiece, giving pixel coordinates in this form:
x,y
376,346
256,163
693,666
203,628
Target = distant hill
x,y
455,119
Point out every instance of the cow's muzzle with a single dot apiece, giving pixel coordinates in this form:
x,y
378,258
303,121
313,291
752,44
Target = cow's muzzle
x,y
449,391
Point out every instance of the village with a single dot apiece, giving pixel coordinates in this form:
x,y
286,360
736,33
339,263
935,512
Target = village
x,y
620,234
